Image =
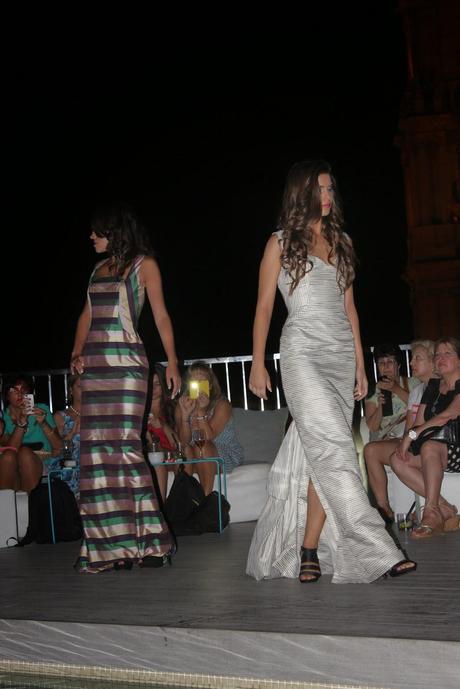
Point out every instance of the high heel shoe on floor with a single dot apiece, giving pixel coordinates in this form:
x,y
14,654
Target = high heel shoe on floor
x,y
152,561
123,564
309,565
432,523
397,570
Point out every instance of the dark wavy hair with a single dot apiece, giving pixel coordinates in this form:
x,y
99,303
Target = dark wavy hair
x,y
388,349
13,381
126,234
301,208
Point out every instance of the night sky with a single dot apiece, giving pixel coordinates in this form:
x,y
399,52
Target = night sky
x,y
197,128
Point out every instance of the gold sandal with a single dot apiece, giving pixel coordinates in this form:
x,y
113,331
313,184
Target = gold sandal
x,y
427,530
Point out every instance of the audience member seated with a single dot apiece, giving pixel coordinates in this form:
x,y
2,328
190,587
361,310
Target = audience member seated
x,y
422,466
68,425
377,453
211,413
386,408
160,425
28,438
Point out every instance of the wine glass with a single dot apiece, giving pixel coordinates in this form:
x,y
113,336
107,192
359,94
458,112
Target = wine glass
x,y
199,438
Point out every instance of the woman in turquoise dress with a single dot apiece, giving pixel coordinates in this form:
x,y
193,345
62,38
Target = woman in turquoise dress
x,y
29,441
122,522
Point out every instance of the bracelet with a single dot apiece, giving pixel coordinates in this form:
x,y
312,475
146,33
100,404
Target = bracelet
x,y
200,418
22,426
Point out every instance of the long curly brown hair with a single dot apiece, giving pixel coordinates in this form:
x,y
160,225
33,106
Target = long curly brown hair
x,y
301,208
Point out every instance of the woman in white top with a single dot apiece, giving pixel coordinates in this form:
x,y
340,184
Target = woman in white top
x,y
377,453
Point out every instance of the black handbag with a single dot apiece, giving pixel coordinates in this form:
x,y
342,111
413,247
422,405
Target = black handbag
x,y
449,433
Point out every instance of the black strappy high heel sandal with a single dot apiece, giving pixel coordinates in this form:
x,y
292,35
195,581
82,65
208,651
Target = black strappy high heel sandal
x,y
398,571
309,565
122,564
152,561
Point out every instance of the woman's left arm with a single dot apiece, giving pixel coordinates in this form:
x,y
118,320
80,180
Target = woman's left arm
x,y
47,424
216,424
451,412
151,278
361,379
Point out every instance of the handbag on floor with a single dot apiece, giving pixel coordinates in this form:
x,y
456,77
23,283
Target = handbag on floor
x,y
189,511
67,522
185,496
449,434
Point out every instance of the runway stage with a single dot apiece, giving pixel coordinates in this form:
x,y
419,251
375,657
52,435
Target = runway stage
x,y
204,616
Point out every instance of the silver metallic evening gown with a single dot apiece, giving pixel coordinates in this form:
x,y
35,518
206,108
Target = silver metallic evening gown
x,y
318,373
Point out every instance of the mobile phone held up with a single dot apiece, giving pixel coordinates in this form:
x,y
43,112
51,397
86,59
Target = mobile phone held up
x,y
387,406
29,403
197,386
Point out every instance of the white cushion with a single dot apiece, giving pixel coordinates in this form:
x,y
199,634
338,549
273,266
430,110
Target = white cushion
x,y
260,433
246,491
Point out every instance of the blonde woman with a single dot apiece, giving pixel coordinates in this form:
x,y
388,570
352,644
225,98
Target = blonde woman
x,y
212,415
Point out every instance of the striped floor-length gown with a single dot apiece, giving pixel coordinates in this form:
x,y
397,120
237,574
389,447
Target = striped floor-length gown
x,y
318,370
118,504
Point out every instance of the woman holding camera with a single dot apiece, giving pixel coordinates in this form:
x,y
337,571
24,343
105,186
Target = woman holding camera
x,y
29,439
121,518
204,421
315,488
386,409
420,461
400,416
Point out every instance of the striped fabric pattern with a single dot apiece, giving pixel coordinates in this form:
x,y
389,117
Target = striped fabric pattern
x,y
318,371
118,504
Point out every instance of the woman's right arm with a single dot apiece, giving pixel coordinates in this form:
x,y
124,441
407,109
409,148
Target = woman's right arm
x,y
270,267
182,414
83,325
373,414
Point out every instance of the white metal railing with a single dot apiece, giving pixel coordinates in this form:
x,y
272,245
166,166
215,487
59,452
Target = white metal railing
x,y
53,384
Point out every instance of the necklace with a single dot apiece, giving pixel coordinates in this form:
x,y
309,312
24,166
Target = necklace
x,y
75,411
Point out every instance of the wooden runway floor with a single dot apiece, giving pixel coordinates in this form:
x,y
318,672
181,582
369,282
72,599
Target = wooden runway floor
x,y
207,588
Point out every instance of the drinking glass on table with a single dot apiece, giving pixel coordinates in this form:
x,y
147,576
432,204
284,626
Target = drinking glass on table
x,y
199,438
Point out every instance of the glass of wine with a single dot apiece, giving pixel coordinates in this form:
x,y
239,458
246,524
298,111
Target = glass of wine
x,y
199,438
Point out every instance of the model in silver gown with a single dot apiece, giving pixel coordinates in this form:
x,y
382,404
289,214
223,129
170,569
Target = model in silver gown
x,y
318,372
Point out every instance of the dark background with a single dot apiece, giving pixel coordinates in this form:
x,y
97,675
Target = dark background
x,y
195,120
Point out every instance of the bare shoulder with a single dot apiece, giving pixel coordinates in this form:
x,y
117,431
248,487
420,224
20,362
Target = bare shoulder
x,y
273,250
223,408
275,242
149,269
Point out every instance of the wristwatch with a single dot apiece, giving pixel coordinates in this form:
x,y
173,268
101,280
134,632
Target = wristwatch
x,y
413,434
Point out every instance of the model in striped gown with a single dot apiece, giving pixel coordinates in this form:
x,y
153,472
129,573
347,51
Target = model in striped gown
x,y
316,505
121,518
